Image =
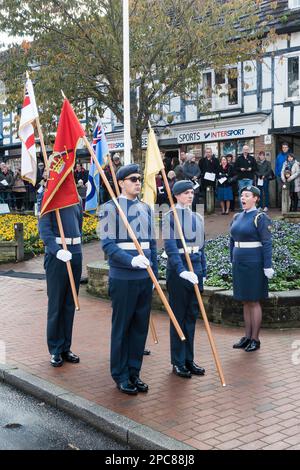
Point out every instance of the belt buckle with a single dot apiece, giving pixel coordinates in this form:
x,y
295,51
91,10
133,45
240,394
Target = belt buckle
x,y
238,244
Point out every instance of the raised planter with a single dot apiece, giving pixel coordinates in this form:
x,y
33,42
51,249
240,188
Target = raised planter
x,y
8,251
281,310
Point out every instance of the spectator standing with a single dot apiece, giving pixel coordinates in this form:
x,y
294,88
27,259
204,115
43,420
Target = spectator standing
x,y
280,159
263,173
209,167
290,174
224,188
245,168
19,191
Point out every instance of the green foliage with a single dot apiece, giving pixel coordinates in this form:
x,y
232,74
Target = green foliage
x,y
286,259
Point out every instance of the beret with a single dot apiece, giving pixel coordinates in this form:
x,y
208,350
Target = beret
x,y
253,189
181,186
127,170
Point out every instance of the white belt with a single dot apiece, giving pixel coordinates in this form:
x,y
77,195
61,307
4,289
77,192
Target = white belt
x,y
247,244
190,249
131,246
69,241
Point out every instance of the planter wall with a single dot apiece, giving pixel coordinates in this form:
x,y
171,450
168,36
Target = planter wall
x,y
8,251
281,310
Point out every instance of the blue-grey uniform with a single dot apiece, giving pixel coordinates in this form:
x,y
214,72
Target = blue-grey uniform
x,y
182,297
251,253
61,305
130,288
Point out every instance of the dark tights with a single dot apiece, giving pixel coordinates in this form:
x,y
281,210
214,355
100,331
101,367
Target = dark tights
x,y
252,318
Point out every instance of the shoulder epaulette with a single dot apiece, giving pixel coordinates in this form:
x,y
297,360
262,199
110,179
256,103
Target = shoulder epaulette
x,y
258,215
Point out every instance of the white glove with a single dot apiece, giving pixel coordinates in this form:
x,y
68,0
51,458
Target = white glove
x,y
269,272
189,276
140,261
64,255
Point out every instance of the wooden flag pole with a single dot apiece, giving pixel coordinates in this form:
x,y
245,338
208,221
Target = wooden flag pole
x,y
197,291
113,174
151,321
134,239
58,219
69,267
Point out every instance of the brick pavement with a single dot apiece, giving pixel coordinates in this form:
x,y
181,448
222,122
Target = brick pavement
x,y
259,408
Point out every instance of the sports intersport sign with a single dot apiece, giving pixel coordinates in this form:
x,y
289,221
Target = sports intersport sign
x,y
218,134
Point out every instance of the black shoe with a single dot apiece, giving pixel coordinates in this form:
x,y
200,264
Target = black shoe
x,y
68,356
127,387
147,352
253,345
242,343
139,384
182,371
56,360
194,369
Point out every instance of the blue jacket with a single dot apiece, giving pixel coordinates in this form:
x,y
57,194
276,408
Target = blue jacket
x,y
71,218
243,229
193,231
113,231
281,158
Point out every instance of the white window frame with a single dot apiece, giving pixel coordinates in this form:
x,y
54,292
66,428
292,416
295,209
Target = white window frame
x,y
297,97
215,98
293,4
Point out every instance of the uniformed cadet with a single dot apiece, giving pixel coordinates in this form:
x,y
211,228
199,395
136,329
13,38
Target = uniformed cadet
x,y
251,257
61,307
130,286
180,281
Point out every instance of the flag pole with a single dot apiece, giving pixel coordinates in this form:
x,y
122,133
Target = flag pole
x,y
197,291
126,84
112,170
58,219
113,174
135,241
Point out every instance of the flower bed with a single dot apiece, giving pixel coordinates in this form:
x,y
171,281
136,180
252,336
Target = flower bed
x,y
286,259
32,243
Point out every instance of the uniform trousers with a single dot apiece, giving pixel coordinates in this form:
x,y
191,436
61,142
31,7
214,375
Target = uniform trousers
x,y
131,304
61,307
183,301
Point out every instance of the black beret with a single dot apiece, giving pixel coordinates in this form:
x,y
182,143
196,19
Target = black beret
x,y
253,189
127,170
181,186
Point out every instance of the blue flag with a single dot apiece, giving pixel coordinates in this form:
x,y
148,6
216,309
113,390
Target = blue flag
x,y
100,147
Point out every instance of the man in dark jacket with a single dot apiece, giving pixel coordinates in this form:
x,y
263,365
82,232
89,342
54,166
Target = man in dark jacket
x,y
245,168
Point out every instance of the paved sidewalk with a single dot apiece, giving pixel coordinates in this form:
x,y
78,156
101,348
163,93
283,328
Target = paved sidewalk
x,y
258,409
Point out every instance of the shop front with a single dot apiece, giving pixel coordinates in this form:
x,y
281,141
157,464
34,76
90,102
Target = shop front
x,y
224,137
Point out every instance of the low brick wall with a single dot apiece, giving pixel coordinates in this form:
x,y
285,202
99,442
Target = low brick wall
x,y
281,310
8,251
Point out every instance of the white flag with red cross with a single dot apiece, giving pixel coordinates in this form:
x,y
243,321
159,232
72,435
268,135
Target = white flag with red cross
x,y
26,133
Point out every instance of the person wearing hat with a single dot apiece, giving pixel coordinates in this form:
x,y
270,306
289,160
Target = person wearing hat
x,y
251,257
180,281
130,286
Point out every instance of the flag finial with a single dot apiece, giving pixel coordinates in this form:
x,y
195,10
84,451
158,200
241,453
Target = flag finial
x,y
27,74
63,95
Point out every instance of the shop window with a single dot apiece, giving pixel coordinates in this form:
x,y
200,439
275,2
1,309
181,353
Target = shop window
x,y
196,149
214,147
242,142
293,77
228,146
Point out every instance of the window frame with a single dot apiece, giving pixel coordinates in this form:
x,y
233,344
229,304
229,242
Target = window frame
x,y
296,97
213,99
